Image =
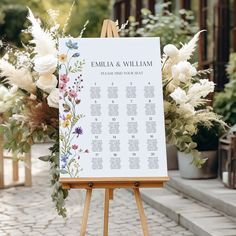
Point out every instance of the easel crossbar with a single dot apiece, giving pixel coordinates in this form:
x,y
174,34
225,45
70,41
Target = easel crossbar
x,y
112,182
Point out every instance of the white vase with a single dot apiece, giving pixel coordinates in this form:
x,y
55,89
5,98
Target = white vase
x,y
209,169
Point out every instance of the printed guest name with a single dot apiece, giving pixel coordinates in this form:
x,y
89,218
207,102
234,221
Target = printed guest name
x,y
121,64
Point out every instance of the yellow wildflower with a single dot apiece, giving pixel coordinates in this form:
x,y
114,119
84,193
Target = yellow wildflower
x,y
68,116
62,57
66,123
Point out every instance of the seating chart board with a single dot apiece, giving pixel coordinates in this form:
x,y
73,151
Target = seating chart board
x,y
111,108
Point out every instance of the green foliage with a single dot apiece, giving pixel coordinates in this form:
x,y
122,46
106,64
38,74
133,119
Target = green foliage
x,y
93,11
171,28
207,138
13,16
20,138
12,21
58,193
225,101
231,67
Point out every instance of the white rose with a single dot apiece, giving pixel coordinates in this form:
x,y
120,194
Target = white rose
x,y
183,71
14,89
170,50
53,98
207,87
175,71
193,71
45,64
177,74
186,68
183,78
179,95
47,82
3,92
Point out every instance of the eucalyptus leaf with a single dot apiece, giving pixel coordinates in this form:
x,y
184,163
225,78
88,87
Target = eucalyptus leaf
x,y
62,171
45,158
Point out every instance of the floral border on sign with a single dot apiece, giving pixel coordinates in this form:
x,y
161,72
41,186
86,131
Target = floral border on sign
x,y
70,130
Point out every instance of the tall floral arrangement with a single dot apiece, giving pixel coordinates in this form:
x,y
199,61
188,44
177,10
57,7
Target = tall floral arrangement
x,y
33,73
185,98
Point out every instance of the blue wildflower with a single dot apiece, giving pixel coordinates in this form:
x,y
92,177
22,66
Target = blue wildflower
x,y
63,161
76,54
72,45
64,157
63,165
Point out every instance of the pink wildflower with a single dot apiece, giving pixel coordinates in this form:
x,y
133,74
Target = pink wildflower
x,y
74,146
62,87
72,93
64,78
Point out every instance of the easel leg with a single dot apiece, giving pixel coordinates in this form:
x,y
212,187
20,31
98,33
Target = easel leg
x,y
111,193
141,211
106,212
86,212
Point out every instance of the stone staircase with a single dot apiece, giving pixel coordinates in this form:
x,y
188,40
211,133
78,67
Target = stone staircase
x,y
205,207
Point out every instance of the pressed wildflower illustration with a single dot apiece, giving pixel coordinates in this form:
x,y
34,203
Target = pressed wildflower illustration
x,y
70,130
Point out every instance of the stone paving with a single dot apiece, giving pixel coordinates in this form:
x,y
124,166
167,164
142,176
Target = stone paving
x,y
29,211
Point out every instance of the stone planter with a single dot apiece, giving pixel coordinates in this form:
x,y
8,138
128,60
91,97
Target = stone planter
x,y
189,171
172,157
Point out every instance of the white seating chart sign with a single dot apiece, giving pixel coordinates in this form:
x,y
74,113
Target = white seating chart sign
x,y
111,108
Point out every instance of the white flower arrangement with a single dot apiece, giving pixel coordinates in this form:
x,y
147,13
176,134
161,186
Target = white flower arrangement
x,y
34,116
185,99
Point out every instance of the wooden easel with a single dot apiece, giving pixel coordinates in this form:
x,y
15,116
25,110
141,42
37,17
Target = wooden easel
x,y
109,29
15,168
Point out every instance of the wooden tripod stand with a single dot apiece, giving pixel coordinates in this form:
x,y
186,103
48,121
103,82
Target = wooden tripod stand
x,y
108,197
109,184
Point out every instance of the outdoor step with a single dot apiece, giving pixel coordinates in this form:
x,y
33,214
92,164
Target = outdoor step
x,y
210,191
195,216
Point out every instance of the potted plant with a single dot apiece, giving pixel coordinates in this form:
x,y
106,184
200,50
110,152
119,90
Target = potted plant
x,y
186,100
207,143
